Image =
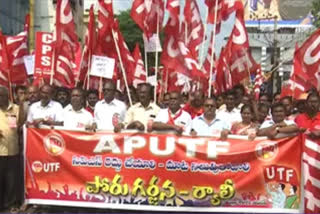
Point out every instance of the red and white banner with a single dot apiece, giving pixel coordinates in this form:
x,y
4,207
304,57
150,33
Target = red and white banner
x,y
4,64
299,80
161,172
307,64
139,75
17,49
237,54
193,27
311,166
43,57
148,15
65,46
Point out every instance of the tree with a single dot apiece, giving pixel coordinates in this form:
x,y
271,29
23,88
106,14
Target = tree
x,y
130,31
315,11
133,34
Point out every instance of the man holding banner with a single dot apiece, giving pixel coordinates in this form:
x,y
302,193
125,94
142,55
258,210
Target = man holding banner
x,y
173,118
46,111
109,112
278,126
141,115
75,117
208,124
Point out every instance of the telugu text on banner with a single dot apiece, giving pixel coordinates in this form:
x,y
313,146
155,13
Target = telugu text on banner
x,y
161,172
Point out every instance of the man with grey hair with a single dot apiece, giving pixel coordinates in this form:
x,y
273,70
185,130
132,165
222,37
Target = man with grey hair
x,y
9,150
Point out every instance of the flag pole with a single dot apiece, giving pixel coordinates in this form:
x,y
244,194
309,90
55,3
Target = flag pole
x,y
89,70
248,70
146,63
156,64
10,87
122,68
77,80
100,88
204,39
166,84
212,47
52,65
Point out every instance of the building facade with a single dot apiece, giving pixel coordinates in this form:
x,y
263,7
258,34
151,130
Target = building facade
x,y
12,16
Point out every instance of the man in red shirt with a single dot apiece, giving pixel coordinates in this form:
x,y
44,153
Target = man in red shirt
x,y
195,106
310,121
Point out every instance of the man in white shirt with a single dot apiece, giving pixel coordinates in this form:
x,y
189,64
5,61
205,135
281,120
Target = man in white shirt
x,y
230,114
109,112
208,124
46,111
74,114
278,126
173,118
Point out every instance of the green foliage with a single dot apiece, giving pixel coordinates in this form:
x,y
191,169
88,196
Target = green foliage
x,y
316,12
130,31
133,34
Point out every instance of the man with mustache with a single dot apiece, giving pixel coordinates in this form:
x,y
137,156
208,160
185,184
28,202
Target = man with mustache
x,y
309,122
46,111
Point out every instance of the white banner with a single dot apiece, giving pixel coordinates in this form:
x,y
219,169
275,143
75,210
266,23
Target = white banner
x,y
153,45
29,64
102,66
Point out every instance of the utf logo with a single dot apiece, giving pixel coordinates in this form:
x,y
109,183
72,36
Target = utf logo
x,y
54,144
38,166
266,150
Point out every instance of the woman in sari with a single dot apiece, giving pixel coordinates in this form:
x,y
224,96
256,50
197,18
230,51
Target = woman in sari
x,y
246,126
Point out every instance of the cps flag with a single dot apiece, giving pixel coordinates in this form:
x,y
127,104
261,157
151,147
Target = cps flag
x,y
43,56
162,172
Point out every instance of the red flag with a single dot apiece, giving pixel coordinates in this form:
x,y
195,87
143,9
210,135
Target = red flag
x,y
223,75
311,172
147,14
207,61
207,66
238,55
90,44
214,12
194,27
228,7
173,6
223,10
105,22
65,46
4,65
104,45
176,54
17,48
298,82
139,74
126,57
308,57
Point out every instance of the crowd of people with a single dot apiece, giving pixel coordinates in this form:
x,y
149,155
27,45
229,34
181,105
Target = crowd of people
x,y
232,113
